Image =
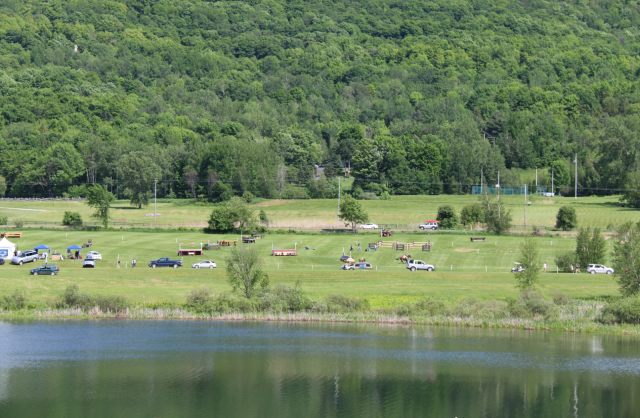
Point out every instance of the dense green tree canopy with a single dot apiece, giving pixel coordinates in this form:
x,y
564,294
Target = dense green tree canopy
x,y
418,96
566,218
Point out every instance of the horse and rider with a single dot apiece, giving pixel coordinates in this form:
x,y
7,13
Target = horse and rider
x,y
404,259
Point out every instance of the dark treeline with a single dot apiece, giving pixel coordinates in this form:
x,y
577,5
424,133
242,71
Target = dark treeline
x,y
219,98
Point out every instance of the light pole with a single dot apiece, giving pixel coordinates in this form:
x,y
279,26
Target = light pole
x,y
525,208
576,161
155,210
338,198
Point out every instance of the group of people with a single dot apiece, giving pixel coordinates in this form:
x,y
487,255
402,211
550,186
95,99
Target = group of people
x,y
76,256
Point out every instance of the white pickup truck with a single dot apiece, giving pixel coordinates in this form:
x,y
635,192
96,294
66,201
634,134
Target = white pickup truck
x,y
414,265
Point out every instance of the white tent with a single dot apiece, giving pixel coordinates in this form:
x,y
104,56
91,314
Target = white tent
x,y
7,249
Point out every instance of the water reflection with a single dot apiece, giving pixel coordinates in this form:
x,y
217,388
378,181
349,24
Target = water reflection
x,y
201,369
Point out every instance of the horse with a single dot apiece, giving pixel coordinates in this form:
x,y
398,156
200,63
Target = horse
x,y
404,259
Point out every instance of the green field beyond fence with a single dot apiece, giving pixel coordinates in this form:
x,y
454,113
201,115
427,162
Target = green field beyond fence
x,y
463,268
600,212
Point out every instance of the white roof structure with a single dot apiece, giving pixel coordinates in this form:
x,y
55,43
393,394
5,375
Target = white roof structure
x,y
7,249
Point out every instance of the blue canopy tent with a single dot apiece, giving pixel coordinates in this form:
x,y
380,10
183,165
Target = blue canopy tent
x,y
73,247
42,247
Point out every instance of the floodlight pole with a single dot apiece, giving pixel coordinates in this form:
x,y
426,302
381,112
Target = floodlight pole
x,y
155,210
525,207
576,161
338,198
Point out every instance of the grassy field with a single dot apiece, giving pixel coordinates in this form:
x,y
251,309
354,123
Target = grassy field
x,y
463,268
600,212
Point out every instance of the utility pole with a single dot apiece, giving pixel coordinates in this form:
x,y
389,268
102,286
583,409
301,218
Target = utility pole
x,y
525,207
536,177
338,198
481,178
498,178
552,174
576,161
155,210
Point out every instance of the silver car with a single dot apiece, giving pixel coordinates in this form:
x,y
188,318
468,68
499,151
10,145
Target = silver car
x,y
206,264
25,257
89,263
599,268
414,265
433,225
368,226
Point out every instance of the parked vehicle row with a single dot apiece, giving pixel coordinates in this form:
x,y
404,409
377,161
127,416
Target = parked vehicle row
x,y
432,225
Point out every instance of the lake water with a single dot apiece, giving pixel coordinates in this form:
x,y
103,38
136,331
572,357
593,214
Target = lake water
x,y
224,369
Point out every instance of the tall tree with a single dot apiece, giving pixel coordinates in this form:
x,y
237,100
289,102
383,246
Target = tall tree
x,y
3,186
243,270
281,176
632,193
626,259
99,198
447,217
590,247
566,218
529,261
352,212
191,178
497,217
138,171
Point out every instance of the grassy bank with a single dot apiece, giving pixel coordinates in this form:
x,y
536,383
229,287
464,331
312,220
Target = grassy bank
x,y
579,316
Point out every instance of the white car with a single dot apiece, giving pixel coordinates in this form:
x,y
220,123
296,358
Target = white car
x,y
369,226
89,263
207,264
414,265
94,255
599,268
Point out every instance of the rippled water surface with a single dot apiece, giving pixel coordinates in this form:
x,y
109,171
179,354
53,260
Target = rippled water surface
x,y
222,369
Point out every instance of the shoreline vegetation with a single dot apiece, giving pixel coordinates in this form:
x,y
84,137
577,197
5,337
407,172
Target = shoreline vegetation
x,y
529,311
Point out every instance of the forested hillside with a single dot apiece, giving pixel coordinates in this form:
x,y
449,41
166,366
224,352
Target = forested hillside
x,y
219,98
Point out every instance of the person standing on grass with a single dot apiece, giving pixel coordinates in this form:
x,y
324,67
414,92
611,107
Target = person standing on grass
x,y
118,263
544,268
359,248
572,268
